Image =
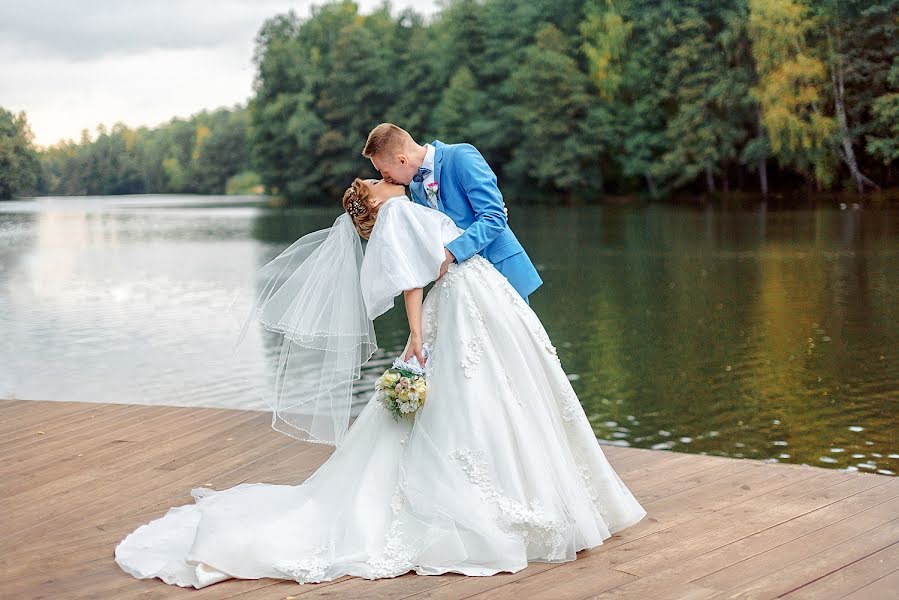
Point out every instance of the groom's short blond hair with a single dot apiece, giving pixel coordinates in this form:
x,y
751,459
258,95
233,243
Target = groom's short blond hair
x,y
386,138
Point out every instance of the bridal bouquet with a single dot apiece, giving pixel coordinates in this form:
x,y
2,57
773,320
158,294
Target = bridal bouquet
x,y
402,389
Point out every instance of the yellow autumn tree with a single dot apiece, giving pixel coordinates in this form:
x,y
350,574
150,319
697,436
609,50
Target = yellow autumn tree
x,y
202,134
605,33
791,84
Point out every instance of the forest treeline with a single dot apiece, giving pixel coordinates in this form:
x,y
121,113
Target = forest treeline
x,y
202,154
567,99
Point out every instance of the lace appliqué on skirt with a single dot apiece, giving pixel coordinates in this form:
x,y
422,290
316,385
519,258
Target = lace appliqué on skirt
x,y
527,315
599,508
570,408
429,318
396,557
474,346
571,411
309,569
528,521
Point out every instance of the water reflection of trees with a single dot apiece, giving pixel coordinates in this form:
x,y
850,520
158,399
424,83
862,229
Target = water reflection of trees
x,y
717,326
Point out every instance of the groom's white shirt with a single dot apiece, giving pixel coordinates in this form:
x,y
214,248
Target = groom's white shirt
x,y
428,163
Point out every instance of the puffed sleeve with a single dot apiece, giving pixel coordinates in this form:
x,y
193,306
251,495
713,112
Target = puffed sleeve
x,y
404,252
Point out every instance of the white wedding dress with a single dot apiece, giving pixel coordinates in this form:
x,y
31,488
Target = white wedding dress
x,y
498,468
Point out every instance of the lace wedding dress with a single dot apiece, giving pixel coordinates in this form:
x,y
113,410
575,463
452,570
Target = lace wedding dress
x,y
498,468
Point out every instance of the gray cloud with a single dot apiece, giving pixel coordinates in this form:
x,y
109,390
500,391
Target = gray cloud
x,y
81,31
73,64
86,30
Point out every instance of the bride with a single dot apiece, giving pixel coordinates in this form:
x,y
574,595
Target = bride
x,y
499,466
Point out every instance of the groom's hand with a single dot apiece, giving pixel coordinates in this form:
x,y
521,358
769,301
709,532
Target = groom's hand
x,y
449,258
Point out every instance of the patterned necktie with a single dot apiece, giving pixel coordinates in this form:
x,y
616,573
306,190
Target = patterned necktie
x,y
420,176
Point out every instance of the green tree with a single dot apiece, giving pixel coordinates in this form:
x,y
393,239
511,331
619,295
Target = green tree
x,y
457,116
19,163
299,90
421,69
222,152
847,27
885,109
622,41
708,116
869,34
551,110
197,154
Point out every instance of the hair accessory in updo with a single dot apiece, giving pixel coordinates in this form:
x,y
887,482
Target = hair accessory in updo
x,y
355,207
354,204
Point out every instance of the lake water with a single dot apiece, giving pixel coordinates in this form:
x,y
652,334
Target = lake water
x,y
755,333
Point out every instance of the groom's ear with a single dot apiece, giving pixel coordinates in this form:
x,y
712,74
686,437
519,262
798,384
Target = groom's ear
x,y
401,158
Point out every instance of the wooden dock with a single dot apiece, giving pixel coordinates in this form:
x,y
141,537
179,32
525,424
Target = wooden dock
x,y
78,477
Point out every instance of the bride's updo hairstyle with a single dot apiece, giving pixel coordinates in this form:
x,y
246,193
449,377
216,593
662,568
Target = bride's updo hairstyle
x,y
354,203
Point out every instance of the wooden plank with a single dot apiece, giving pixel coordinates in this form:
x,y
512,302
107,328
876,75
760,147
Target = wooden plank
x,y
683,486
780,582
143,483
141,422
651,475
15,415
86,486
660,591
466,587
717,527
44,460
810,556
881,589
818,530
852,576
707,569
562,584
86,535
25,439
112,461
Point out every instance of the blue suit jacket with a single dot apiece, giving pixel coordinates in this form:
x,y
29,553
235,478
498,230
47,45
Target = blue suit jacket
x,y
468,194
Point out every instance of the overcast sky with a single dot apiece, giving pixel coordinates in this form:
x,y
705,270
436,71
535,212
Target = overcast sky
x,y
72,64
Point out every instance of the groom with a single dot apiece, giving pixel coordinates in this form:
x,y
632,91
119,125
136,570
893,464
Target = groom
x,y
456,180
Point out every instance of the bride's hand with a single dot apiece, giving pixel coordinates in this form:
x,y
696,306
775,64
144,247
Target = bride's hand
x,y
413,348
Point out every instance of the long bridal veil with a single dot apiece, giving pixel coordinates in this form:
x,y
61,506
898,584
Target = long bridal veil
x,y
309,302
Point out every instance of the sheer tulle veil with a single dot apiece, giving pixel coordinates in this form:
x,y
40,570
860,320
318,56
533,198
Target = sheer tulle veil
x,y
310,312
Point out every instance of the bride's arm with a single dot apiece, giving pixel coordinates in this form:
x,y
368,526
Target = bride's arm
x,y
413,300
